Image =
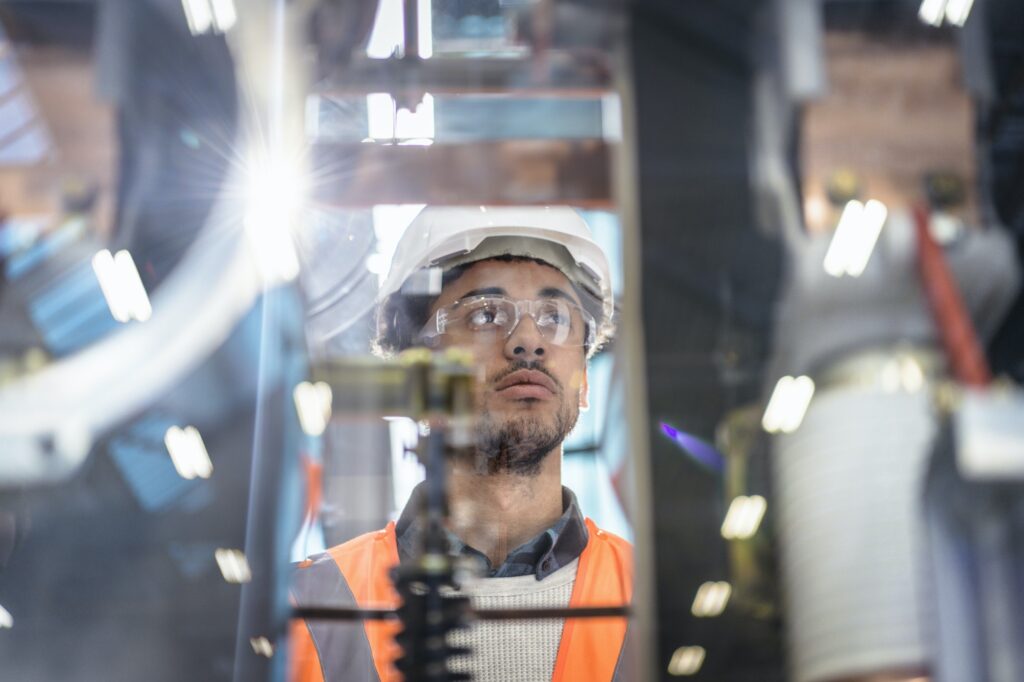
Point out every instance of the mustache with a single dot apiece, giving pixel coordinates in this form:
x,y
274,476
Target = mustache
x,y
517,365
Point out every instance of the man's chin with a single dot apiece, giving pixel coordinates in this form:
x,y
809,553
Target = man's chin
x,y
533,423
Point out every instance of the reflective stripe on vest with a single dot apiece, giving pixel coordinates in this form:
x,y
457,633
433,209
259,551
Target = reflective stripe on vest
x,y
589,648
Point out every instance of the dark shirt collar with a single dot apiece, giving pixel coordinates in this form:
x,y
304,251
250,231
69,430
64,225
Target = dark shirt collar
x,y
541,556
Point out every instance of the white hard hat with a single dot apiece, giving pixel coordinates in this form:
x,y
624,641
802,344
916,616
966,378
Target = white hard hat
x,y
444,237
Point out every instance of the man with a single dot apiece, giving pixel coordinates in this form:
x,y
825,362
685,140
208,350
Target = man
x,y
527,292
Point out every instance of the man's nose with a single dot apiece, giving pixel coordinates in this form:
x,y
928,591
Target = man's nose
x,y
525,342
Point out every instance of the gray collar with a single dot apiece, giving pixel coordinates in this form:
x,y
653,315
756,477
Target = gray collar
x,y
540,556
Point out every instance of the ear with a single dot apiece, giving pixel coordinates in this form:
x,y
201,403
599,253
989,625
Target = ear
x,y
584,392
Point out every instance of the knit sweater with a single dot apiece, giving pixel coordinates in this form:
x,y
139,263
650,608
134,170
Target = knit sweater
x,y
516,650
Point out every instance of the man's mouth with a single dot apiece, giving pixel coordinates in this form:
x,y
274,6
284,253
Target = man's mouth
x,y
525,384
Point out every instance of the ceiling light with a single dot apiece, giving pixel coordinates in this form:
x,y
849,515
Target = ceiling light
x,y
957,11
425,32
711,599
931,11
744,517
788,404
385,121
206,15
313,403
121,286
686,660
261,646
224,14
388,34
911,375
188,452
199,16
233,565
855,237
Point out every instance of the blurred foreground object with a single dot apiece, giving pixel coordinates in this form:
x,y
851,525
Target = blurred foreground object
x,y
849,479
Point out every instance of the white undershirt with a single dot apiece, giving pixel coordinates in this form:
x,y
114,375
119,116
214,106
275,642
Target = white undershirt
x,y
517,650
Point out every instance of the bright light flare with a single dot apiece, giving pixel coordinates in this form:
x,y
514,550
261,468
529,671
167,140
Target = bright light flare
x,y
121,286
788,404
313,403
233,565
855,238
188,452
711,599
686,660
274,197
6,619
744,517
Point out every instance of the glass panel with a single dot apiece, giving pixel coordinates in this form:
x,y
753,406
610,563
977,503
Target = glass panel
x,y
224,228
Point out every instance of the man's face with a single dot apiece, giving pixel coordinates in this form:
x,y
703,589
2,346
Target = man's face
x,y
530,389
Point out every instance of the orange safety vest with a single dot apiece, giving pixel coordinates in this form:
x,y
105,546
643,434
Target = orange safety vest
x,y
589,648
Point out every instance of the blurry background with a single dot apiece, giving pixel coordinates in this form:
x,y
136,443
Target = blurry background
x,y
257,162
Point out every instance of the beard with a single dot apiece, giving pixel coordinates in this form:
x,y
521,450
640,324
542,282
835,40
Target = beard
x,y
519,444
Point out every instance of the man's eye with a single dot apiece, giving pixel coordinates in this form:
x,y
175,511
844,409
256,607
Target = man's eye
x,y
486,316
553,316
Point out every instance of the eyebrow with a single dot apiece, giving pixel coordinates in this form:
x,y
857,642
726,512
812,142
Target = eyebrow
x,y
546,292
486,291
555,292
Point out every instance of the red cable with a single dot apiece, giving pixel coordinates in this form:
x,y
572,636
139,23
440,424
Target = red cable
x,y
956,331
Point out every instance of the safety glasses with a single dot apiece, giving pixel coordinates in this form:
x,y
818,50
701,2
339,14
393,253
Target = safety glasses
x,y
560,322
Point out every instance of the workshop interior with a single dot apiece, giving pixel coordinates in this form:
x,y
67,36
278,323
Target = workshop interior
x,y
809,422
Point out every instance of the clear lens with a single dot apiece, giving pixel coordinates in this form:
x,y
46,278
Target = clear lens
x,y
554,319
560,322
489,314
